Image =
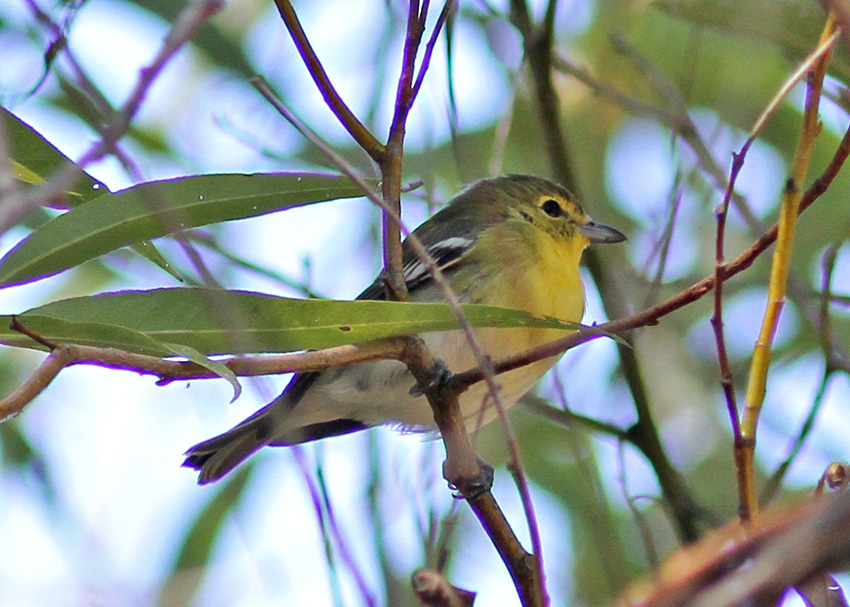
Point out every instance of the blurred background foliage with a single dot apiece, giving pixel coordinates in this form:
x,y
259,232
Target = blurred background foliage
x,y
654,97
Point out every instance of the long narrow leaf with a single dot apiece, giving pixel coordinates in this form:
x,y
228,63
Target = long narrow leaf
x,y
213,321
157,208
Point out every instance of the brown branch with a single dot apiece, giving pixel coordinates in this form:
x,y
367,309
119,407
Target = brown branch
x,y
448,7
46,372
461,467
652,315
726,379
391,164
433,590
346,117
173,370
793,546
672,119
522,566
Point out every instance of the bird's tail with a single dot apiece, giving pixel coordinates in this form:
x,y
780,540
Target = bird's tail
x,y
219,455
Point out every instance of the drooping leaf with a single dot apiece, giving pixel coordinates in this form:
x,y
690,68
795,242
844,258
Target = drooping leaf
x,y
15,448
216,367
34,159
59,331
157,208
214,321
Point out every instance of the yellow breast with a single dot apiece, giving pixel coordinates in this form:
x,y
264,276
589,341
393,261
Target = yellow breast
x,y
544,281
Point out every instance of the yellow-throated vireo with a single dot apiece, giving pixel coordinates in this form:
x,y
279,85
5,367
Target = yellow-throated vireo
x,y
513,241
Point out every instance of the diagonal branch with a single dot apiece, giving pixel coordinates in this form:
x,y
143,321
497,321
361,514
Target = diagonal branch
x,y
346,117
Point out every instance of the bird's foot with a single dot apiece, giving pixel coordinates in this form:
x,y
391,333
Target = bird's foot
x,y
439,378
473,488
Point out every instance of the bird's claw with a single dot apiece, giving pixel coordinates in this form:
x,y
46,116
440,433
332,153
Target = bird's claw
x,y
478,486
439,378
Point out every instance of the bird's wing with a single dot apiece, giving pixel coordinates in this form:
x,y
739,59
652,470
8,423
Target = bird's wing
x,y
445,252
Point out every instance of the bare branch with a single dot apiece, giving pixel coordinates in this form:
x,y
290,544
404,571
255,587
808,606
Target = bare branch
x,y
728,570
346,117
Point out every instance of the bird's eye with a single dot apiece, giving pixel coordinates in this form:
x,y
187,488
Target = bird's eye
x,y
552,208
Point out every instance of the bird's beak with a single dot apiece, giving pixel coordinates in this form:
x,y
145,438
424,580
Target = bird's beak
x,y
597,233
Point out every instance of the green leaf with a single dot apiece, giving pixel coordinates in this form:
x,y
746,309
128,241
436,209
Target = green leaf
x,y
223,371
15,448
60,331
148,250
214,321
35,159
158,208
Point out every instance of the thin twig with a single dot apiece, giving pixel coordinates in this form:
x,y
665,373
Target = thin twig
x,y
190,19
789,209
726,379
391,164
362,135
652,315
662,248
681,122
342,543
173,370
448,7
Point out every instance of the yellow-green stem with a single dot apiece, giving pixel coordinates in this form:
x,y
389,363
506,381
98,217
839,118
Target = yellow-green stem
x,y
778,279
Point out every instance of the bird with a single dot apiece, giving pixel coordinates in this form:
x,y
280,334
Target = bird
x,y
513,241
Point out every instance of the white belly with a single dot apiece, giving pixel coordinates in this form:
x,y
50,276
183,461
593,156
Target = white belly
x,y
379,392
